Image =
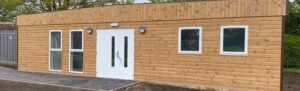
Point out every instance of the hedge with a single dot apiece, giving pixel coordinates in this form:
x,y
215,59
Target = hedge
x,y
292,51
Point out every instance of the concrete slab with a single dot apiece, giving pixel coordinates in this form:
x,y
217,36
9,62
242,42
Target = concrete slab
x,y
89,83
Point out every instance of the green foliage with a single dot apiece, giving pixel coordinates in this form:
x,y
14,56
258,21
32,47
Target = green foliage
x,y
293,19
292,51
55,5
297,70
292,37
9,9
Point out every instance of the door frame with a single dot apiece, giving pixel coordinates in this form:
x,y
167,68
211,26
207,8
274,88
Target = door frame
x,y
133,51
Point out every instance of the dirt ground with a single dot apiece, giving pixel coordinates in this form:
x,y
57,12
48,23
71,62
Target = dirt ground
x,y
145,86
291,81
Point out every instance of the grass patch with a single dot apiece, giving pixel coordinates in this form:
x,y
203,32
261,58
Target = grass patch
x,y
297,70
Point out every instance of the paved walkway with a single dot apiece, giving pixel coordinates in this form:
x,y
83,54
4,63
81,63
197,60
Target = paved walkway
x,y
62,80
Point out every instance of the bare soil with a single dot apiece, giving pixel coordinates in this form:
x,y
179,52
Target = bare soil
x,y
291,81
145,86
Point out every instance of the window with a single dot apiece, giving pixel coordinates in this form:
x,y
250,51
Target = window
x,y
55,44
234,40
125,51
190,40
76,51
113,51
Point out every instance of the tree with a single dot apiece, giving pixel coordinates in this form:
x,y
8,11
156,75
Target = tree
x,y
293,19
291,37
9,9
55,5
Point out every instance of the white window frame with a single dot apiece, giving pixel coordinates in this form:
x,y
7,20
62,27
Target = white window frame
x,y
245,53
75,50
50,49
179,40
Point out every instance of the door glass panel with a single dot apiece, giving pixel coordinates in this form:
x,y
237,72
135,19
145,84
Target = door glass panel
x,y
125,51
113,51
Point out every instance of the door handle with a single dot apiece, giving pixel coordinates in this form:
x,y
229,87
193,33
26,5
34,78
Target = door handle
x,y
118,55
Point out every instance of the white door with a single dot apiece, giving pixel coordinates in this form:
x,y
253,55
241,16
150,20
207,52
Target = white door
x,y
115,53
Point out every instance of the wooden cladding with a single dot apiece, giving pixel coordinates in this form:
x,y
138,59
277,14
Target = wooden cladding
x,y
156,57
159,12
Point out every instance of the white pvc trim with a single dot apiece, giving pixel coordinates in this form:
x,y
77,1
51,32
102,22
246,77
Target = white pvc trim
x,y
179,41
245,53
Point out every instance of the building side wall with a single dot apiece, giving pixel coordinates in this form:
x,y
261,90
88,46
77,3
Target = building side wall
x,y
157,58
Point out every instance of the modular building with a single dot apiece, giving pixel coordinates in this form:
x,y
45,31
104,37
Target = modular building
x,y
230,44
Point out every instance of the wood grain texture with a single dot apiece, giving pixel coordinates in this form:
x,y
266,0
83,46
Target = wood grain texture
x,y
157,59
160,12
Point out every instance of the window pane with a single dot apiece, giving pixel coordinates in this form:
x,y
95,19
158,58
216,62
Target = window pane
x,y
55,60
190,40
76,40
113,51
77,61
56,40
234,40
126,51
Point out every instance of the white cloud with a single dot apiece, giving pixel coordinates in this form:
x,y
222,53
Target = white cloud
x,y
141,1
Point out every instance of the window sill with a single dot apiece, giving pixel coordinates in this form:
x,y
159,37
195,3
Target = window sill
x,y
234,54
76,72
54,70
189,53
